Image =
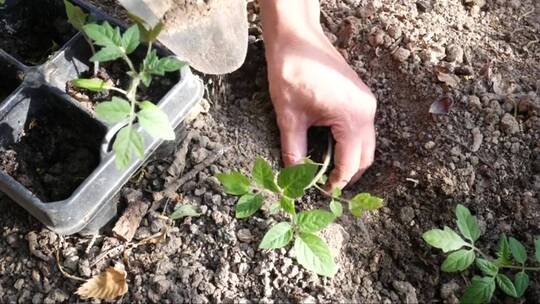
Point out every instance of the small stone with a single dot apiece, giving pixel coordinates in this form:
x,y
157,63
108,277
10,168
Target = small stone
x,y
429,145
448,292
401,54
478,137
394,31
406,290
244,235
509,124
454,53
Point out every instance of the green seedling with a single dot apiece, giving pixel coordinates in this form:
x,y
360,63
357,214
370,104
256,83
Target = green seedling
x,y
125,110
511,257
78,19
289,185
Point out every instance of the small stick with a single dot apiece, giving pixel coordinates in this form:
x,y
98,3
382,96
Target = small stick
x,y
179,163
173,187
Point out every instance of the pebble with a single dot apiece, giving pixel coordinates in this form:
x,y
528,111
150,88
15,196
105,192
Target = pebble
x,y
401,54
406,214
454,53
478,137
429,145
244,235
509,124
474,103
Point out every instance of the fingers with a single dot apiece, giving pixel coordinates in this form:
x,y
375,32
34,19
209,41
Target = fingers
x,y
368,155
293,141
347,160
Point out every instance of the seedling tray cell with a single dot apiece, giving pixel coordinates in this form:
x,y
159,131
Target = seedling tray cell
x,y
55,155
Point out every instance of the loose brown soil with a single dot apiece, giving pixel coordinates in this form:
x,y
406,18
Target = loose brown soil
x,y
424,166
53,157
32,30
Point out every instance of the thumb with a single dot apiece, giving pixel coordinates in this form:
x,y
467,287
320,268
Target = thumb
x,y
293,142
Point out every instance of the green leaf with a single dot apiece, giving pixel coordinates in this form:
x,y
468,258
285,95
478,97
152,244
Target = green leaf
x,y
155,121
170,64
537,249
293,180
76,16
248,204
518,250
313,253
364,202
127,142
458,261
264,176
506,285
521,283
113,111
107,53
278,236
235,183
480,291
336,208
314,220
94,84
287,205
467,224
487,267
104,34
504,255
131,39
447,239
184,211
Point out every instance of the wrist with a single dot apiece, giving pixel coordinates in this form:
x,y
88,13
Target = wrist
x,y
288,23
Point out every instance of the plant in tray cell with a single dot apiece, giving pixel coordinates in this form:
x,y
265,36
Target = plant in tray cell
x,y
301,227
464,252
127,109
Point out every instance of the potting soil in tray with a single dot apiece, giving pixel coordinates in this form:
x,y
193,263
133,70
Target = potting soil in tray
x,y
31,30
52,158
115,72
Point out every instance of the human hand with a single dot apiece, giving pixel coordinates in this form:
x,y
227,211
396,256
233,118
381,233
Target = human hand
x,y
311,84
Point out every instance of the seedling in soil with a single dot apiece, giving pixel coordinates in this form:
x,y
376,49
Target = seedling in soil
x,y
78,19
511,257
290,184
155,122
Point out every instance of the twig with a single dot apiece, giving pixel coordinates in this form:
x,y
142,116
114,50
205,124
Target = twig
x,y
179,163
173,187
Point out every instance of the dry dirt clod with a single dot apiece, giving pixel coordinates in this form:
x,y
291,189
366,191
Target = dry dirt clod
x,y
401,54
509,124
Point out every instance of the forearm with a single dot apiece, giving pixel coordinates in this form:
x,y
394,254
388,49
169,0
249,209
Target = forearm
x,y
290,22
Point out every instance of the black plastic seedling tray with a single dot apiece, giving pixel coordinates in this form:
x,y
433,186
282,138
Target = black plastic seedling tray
x,y
37,95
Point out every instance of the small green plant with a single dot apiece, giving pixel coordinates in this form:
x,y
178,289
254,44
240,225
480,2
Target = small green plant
x,y
511,256
290,184
115,45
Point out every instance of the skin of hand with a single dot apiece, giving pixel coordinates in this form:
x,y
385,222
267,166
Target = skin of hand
x,y
311,84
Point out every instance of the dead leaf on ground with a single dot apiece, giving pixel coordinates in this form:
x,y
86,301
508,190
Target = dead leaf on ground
x,y
107,285
448,79
441,106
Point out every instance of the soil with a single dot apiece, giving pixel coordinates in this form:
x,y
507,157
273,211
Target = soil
x,y
485,153
32,30
53,157
11,78
115,72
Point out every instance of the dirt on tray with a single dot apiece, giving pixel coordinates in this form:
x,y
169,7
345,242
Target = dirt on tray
x,y
115,73
52,158
32,30
485,154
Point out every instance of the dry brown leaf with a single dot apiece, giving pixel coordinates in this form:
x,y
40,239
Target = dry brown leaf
x,y
107,285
